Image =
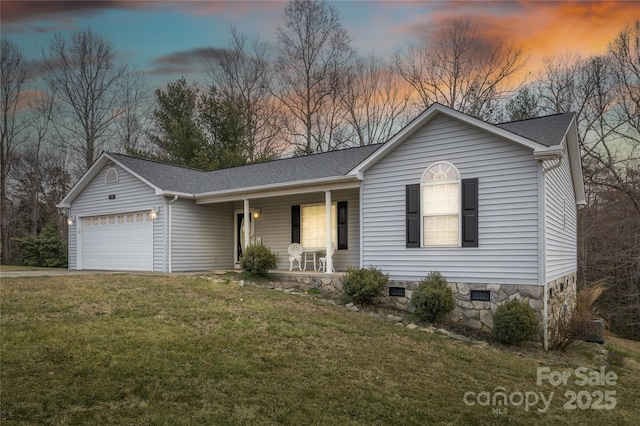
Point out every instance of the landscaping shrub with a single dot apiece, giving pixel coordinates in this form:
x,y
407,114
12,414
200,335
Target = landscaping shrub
x,y
258,259
433,298
514,321
574,323
47,249
364,284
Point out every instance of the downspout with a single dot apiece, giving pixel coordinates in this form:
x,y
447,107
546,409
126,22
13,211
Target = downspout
x,y
169,230
545,315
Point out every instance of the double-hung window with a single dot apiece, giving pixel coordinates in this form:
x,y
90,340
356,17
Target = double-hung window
x,y
313,225
442,210
440,189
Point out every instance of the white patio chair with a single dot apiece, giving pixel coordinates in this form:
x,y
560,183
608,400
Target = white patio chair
x,y
323,261
295,254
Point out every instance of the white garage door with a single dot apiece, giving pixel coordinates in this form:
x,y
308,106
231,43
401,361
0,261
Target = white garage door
x,y
120,242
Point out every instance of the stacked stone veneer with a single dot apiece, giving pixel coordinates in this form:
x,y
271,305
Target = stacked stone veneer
x,y
479,314
474,313
330,284
562,297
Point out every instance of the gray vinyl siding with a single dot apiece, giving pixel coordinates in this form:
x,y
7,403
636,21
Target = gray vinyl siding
x,y
561,244
507,197
274,225
202,236
131,195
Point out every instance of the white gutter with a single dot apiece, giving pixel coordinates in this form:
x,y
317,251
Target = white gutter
x,y
169,230
177,194
283,185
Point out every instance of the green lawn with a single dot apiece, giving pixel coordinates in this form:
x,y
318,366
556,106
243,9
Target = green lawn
x,y
141,349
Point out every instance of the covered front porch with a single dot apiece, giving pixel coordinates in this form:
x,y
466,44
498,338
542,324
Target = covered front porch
x,y
278,219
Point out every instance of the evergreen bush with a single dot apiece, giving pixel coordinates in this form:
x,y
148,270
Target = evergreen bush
x,y
258,259
433,298
514,321
364,284
46,250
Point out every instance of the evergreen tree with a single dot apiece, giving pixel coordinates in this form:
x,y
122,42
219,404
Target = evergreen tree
x,y
177,137
221,121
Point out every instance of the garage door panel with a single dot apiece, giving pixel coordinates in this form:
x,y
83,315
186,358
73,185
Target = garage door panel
x,y
119,245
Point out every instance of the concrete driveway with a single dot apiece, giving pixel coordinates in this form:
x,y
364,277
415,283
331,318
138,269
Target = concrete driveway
x,y
67,272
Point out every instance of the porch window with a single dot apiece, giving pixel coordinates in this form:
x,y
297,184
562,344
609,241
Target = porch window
x,y
441,205
313,225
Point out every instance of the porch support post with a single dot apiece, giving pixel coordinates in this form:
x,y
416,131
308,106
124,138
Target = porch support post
x,y
247,224
329,255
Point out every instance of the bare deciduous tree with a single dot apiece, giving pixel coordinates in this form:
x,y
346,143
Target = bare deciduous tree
x,y
624,53
29,174
375,100
243,73
588,88
609,250
133,120
86,78
603,92
460,70
13,76
314,49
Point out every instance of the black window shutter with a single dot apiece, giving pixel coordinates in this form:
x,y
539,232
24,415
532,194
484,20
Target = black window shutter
x,y
413,216
342,225
469,212
295,224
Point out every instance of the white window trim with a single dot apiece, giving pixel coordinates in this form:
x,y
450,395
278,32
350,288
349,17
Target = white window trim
x,y
334,218
424,183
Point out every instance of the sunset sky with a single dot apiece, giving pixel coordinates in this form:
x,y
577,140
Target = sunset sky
x,y
169,39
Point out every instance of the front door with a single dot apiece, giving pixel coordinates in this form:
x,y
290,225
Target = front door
x,y
240,232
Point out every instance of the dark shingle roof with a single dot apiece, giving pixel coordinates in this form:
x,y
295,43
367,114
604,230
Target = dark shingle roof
x,y
547,130
174,178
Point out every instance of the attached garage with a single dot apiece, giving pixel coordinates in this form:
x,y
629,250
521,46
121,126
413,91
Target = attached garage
x,y
118,242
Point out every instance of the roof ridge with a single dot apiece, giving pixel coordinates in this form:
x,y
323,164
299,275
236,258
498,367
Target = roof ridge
x,y
313,154
536,118
151,160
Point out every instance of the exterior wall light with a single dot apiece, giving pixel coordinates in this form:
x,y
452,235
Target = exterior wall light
x,y
154,213
71,220
256,213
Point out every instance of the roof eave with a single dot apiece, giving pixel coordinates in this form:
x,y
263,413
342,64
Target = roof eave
x,y
570,140
549,153
92,172
84,180
575,161
246,191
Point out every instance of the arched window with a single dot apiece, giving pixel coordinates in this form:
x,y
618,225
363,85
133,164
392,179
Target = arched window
x,y
111,176
441,205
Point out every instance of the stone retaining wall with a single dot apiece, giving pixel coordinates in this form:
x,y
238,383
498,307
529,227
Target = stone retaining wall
x,y
474,313
479,314
330,284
